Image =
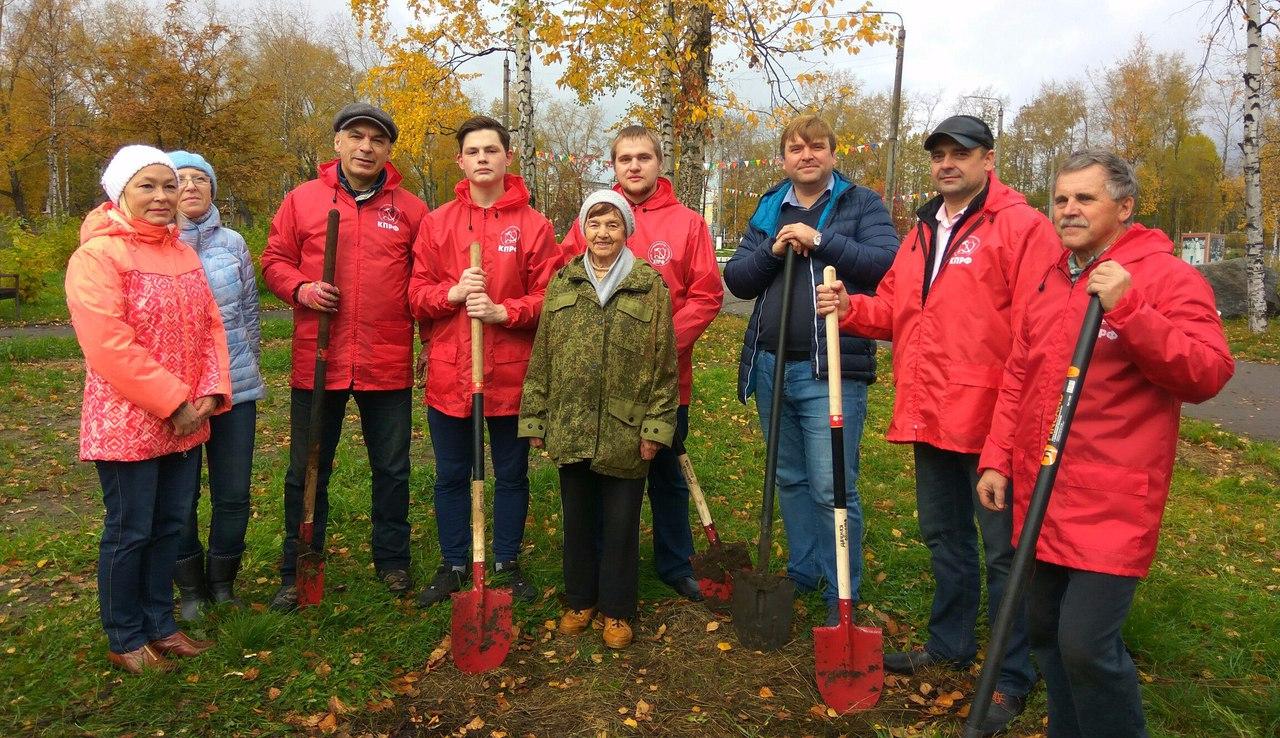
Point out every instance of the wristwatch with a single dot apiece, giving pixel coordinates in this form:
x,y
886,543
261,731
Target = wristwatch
x,y
817,239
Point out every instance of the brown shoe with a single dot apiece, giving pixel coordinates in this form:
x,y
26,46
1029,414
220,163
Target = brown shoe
x,y
574,622
617,633
180,644
139,660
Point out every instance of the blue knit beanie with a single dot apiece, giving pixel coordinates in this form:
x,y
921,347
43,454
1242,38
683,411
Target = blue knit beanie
x,y
183,159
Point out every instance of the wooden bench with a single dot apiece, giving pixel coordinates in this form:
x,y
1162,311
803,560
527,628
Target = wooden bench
x,y
9,291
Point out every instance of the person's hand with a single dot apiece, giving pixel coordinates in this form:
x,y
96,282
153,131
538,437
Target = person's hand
x,y
993,488
800,235
1109,281
480,306
206,405
186,420
420,369
536,442
833,298
319,296
471,281
649,449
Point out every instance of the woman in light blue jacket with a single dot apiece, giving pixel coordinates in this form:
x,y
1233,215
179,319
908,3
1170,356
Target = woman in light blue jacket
x,y
230,272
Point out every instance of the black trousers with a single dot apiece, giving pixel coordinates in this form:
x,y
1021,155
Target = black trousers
x,y
1074,619
606,580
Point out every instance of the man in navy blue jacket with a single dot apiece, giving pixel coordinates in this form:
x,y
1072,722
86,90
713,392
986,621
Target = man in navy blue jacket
x,y
826,220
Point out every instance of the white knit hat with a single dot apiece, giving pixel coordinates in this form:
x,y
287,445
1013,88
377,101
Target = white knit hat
x,y
127,162
612,198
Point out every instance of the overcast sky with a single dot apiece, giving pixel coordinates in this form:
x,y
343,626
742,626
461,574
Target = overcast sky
x,y
1010,45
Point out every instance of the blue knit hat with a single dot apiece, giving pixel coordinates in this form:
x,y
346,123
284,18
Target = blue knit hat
x,y
184,159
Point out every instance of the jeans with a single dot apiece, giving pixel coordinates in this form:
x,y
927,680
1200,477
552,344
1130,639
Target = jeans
x,y
946,498
599,506
230,452
147,504
451,442
1075,622
806,494
385,419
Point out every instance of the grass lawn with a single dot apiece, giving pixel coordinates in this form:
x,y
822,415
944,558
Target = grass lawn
x,y
1249,346
1203,628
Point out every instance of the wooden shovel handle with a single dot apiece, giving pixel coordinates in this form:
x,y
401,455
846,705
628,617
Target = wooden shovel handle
x,y
320,374
477,333
477,420
844,583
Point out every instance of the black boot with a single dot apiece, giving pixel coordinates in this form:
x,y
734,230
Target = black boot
x,y
222,579
193,595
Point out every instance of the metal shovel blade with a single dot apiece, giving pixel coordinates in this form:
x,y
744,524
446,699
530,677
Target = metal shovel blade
x,y
715,571
849,663
481,627
309,578
762,609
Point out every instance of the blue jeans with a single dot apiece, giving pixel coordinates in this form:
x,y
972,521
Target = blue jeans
x,y
806,494
451,443
385,420
1075,621
946,499
230,451
147,504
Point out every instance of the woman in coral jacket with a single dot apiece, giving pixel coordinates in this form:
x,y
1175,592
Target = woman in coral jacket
x,y
1160,345
156,368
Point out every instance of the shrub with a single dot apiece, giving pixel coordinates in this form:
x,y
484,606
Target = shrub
x,y
39,252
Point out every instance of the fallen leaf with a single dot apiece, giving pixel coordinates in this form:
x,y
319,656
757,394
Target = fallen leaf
x,y
476,723
724,646
766,693
273,693
925,688
631,723
597,657
713,626
250,674
323,669
328,723
643,709
337,707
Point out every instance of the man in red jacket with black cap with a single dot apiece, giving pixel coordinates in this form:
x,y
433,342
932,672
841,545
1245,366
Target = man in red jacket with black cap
x,y
674,240
371,336
519,255
1160,344
948,305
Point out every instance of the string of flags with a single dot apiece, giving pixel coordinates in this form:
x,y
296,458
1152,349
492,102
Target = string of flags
x,y
841,149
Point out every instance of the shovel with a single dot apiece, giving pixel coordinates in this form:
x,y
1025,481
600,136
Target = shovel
x,y
1024,555
714,569
309,571
762,602
481,623
848,659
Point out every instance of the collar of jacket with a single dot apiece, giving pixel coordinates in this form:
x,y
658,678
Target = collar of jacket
x,y
208,223
109,220
328,173
767,212
1138,242
639,280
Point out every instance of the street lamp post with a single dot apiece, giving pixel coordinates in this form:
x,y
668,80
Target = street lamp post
x,y
896,115
999,111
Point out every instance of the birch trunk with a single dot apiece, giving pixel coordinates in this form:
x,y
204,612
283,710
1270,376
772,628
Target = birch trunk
x,y
1256,300
524,100
693,105
667,91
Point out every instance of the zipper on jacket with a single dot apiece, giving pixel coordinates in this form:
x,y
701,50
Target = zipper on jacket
x,y
951,247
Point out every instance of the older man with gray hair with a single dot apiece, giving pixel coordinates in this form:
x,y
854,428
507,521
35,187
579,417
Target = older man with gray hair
x,y
1160,344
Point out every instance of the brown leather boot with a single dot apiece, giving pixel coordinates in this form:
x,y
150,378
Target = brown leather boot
x,y
180,644
139,660
617,633
574,622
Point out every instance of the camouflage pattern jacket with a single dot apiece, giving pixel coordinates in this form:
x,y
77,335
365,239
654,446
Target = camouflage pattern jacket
x,y
601,378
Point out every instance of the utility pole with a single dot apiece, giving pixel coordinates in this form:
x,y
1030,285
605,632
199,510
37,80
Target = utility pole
x,y
506,91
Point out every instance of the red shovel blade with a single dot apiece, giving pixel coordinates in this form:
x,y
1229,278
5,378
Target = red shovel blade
x,y
309,579
717,595
849,663
481,626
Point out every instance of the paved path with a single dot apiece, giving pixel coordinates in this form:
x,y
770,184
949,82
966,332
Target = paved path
x,y
1250,404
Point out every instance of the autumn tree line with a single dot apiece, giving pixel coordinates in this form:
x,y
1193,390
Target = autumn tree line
x,y
254,90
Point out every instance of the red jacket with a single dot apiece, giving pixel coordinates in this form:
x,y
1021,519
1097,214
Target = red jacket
x,y
151,334
519,256
949,349
675,241
1160,346
371,335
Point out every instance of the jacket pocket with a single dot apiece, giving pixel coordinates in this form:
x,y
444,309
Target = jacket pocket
x,y
1100,506
560,301
637,309
630,413
975,375
443,351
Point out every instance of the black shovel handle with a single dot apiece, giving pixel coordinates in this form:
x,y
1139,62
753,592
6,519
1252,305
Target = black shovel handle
x,y
765,544
1025,555
320,374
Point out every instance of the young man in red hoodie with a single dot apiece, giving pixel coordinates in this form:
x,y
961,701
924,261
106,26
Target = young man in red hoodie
x,y
948,305
519,257
675,241
1160,345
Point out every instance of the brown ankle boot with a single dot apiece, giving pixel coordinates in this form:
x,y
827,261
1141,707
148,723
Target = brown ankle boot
x,y
617,633
139,660
180,644
574,622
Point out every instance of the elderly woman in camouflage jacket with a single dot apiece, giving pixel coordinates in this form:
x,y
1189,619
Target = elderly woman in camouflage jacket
x,y
601,396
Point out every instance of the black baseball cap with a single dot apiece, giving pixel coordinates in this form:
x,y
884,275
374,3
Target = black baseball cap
x,y
357,111
966,130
